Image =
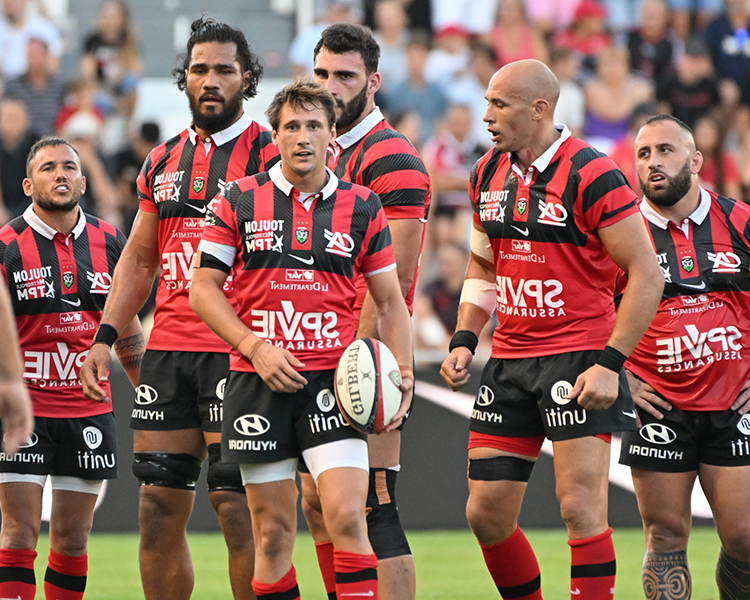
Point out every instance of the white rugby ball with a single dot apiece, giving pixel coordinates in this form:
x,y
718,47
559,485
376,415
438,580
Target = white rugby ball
x,y
368,384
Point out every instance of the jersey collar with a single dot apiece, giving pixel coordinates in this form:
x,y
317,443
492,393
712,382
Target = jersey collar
x,y
45,230
360,130
225,135
544,159
697,217
281,182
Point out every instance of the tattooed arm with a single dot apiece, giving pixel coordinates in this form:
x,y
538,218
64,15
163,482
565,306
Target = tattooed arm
x,y
130,348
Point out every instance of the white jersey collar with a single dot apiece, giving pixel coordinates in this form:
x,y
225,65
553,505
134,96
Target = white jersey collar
x,y
43,229
281,182
364,127
697,216
222,137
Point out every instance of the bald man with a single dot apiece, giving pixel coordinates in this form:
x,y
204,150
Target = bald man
x,y
689,382
552,219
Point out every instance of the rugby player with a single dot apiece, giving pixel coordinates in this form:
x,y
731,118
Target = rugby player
x,y
295,316
689,382
369,152
177,415
552,218
58,263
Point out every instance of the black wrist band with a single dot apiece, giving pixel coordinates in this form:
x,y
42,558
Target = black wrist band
x,y
106,334
612,359
464,338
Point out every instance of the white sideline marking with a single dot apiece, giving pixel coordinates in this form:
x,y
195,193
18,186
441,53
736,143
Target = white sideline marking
x,y
461,404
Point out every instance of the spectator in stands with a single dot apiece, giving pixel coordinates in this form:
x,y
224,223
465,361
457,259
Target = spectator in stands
x,y
126,165
623,151
652,44
39,88
587,35
571,106
414,92
16,139
80,99
303,45
436,303
392,35
513,37
16,29
550,16
728,41
691,91
719,172
450,57
111,57
473,16
408,124
470,89
622,14
418,14
687,12
611,97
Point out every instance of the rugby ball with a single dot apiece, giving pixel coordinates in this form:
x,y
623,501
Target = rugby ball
x,y
368,384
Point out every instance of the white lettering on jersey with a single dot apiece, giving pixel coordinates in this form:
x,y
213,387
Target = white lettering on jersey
x,y
552,213
100,281
695,344
725,262
67,364
165,186
294,325
491,207
178,266
341,244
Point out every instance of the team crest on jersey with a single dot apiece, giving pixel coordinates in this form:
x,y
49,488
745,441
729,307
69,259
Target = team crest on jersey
x,y
68,279
521,208
301,234
198,184
688,264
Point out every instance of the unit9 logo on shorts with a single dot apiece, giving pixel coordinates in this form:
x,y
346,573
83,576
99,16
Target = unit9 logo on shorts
x,y
93,437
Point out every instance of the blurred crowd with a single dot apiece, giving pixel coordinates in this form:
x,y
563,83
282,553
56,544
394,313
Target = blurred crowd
x,y
618,61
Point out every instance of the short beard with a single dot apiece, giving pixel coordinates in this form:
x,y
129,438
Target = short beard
x,y
214,122
352,110
44,202
675,190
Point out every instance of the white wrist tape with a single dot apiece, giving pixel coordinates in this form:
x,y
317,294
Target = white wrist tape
x,y
480,292
480,245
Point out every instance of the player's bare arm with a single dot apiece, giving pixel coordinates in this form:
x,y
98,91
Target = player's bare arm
x,y
15,403
276,366
742,404
394,325
471,316
406,235
646,398
130,348
628,245
131,285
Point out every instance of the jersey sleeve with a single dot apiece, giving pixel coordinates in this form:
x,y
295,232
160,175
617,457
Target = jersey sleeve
x,y
143,185
220,237
377,249
396,173
606,197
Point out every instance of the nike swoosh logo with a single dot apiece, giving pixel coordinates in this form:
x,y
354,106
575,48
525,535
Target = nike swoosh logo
x,y
575,592
369,594
308,261
524,231
630,414
200,209
76,304
702,286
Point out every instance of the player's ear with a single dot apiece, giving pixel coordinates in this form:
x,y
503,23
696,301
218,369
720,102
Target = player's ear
x,y
696,162
83,185
274,137
245,80
28,187
541,108
373,82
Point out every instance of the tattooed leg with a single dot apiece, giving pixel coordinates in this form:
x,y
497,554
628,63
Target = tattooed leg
x,y
732,577
666,576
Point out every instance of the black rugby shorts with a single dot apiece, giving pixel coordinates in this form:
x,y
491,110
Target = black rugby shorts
x,y
180,390
83,447
526,397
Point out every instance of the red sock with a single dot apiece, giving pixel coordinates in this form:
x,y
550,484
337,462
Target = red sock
x,y
356,575
514,567
327,570
17,579
65,578
284,589
592,567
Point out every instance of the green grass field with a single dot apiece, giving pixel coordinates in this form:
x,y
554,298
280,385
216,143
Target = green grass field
x,y
449,566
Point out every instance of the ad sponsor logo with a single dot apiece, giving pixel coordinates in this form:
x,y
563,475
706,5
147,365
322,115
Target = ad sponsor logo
x,y
251,425
657,433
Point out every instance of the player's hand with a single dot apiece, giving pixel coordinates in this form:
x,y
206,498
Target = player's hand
x,y
407,389
646,398
596,388
94,372
455,368
277,368
742,404
15,412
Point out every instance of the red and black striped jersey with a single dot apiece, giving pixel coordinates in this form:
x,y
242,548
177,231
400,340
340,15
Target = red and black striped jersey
x,y
554,279
58,285
295,268
378,157
692,353
178,180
